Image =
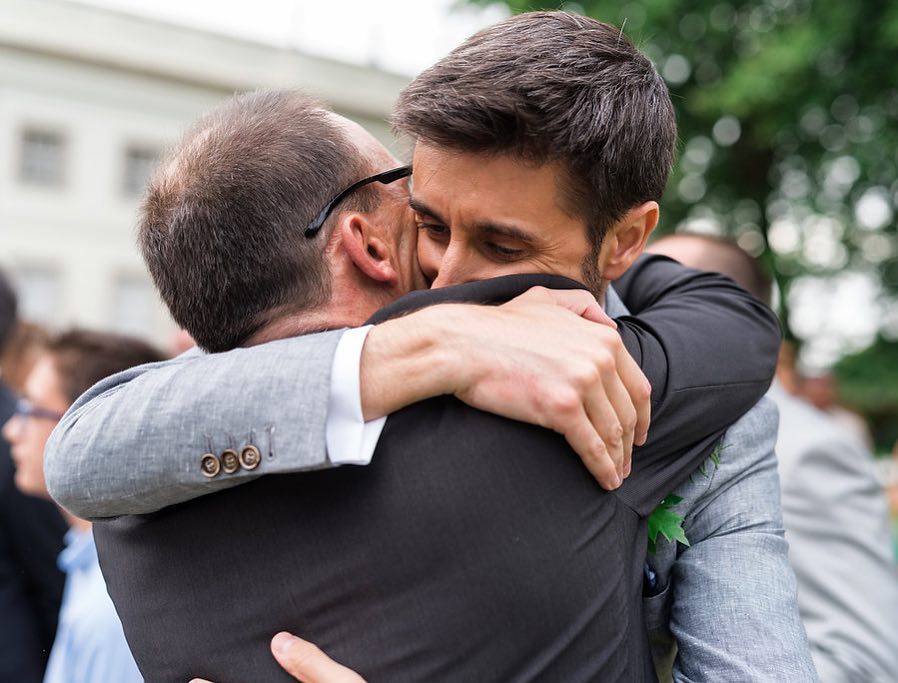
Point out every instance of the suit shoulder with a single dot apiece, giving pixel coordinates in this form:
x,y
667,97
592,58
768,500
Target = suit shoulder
x,y
758,427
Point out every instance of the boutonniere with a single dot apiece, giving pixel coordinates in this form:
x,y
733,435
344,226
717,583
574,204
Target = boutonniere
x,y
668,523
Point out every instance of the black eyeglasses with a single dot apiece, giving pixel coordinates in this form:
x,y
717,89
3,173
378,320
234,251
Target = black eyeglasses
x,y
25,408
384,178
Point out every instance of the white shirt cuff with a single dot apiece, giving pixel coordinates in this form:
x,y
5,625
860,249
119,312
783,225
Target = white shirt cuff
x,y
350,440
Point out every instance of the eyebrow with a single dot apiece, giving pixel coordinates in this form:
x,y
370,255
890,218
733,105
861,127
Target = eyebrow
x,y
488,227
420,207
509,231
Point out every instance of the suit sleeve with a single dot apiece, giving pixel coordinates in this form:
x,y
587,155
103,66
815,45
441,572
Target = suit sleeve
x,y
135,442
735,612
709,349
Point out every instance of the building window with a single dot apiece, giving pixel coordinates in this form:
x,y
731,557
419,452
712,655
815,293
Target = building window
x,y
43,158
133,304
40,294
139,164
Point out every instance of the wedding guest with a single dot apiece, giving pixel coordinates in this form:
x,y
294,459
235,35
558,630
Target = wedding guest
x,y
26,342
90,645
834,509
821,390
31,532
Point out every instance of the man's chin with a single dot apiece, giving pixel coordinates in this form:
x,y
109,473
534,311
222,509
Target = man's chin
x,y
29,487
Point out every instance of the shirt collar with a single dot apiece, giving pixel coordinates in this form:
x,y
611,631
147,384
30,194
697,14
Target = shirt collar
x,y
614,307
80,551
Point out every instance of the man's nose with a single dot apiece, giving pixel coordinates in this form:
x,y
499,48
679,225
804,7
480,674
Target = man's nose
x,y
11,429
451,269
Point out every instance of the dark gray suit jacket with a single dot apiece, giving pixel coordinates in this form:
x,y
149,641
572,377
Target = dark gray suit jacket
x,y
473,548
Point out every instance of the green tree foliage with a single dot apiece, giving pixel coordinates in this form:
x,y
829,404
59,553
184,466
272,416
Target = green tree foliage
x,y
868,382
788,119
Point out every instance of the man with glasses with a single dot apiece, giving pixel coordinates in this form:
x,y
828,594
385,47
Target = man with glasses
x,y
31,532
89,646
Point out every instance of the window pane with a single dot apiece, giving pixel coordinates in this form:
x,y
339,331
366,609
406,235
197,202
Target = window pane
x,y
132,306
139,164
39,295
43,158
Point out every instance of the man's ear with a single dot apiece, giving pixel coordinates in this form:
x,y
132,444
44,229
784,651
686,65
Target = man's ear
x,y
626,240
368,252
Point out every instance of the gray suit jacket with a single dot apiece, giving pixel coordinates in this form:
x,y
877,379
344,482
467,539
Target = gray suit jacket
x,y
836,524
135,442
728,601
113,464
306,363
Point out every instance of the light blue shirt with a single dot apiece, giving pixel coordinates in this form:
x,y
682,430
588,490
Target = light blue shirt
x,y
90,645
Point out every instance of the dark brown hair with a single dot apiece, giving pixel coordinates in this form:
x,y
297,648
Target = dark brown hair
x,y
221,227
82,358
554,87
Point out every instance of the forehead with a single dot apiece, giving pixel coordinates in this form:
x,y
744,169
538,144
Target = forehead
x,y
43,383
497,187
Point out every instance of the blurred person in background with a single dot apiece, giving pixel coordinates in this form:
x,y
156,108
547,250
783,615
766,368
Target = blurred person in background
x,y
90,645
821,391
834,509
25,344
31,538
893,496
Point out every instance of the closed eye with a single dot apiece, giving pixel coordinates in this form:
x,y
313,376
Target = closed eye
x,y
434,230
504,253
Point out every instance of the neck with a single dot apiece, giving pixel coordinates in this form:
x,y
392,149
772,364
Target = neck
x,y
349,306
294,325
354,298
75,523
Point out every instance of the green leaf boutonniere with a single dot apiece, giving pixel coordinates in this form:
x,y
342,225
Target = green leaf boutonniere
x,y
666,522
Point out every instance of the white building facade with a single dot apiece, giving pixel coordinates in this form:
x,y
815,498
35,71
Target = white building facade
x,y
88,100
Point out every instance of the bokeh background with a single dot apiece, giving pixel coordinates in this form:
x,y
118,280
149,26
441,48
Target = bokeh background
x,y
788,115
788,120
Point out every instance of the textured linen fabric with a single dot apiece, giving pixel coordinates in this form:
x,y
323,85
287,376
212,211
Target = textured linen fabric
x,y
731,595
155,422
729,598
90,645
472,548
133,443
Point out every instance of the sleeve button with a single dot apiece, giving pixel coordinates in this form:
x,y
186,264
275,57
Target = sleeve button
x,y
250,457
230,461
209,465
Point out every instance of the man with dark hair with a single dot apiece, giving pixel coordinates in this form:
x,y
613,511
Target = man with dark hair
x,y
560,92
513,555
834,509
31,532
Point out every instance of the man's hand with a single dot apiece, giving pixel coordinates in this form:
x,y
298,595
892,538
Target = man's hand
x,y
541,358
306,662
